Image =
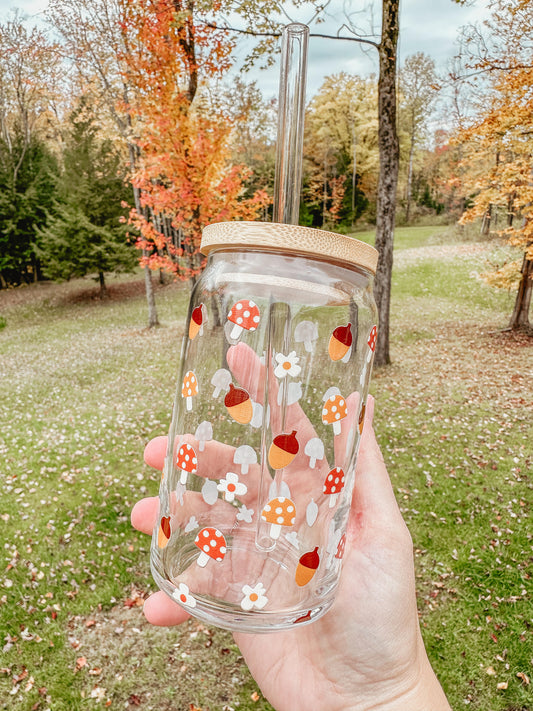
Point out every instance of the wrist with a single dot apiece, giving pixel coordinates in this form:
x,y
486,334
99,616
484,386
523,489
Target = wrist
x,y
416,689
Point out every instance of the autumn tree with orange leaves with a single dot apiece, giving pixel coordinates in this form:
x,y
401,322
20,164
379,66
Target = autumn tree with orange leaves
x,y
498,144
184,176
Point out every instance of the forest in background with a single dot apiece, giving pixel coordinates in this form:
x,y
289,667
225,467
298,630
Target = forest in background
x,y
122,133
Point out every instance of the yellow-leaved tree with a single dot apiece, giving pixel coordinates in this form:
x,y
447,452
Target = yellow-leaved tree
x,y
498,144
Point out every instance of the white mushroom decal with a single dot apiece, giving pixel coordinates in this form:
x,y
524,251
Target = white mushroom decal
x,y
221,380
333,485
212,544
334,409
306,332
245,455
314,450
245,316
189,388
204,433
279,512
187,462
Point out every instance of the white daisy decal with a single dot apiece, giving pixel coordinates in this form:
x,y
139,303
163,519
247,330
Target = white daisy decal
x,y
287,365
182,594
254,597
231,486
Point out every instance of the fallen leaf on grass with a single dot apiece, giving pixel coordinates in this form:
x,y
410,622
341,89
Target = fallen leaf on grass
x,y
80,663
502,685
90,623
523,677
192,707
255,696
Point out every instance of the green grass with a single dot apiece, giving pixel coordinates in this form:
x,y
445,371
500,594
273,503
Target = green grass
x,y
85,386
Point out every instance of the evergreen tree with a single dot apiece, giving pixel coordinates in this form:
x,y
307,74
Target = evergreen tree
x,y
87,235
26,198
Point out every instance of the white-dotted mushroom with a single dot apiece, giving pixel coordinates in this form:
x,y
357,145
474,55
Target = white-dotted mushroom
x,y
245,316
221,380
187,462
204,433
245,455
279,512
314,450
334,409
189,388
372,341
306,332
212,544
333,485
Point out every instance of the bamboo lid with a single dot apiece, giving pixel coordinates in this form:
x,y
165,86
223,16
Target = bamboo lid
x,y
289,238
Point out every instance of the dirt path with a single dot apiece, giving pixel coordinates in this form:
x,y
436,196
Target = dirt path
x,y
442,252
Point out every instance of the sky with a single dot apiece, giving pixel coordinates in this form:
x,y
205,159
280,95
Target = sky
x,y
429,26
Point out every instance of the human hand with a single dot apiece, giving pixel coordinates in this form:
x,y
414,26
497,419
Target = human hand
x,y
367,651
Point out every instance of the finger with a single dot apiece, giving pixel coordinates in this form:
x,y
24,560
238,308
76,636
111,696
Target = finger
x,y
155,451
250,373
160,610
373,492
144,514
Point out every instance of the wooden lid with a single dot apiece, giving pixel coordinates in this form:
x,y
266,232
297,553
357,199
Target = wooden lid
x,y
289,238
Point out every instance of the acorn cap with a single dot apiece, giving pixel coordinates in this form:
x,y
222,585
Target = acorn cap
x,y
236,396
344,334
287,442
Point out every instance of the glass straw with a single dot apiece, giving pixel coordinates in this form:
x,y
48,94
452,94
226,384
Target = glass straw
x,y
289,149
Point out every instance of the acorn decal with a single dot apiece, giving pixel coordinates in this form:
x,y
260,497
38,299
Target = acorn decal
x,y
239,405
307,567
283,450
164,533
340,343
196,325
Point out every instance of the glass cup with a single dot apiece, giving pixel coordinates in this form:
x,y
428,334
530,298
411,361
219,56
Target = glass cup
x,y
259,472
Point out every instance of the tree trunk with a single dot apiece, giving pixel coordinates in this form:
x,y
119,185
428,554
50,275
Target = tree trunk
x,y
520,318
409,189
388,172
103,287
153,320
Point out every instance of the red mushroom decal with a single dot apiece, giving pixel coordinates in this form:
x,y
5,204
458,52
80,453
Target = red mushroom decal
x,y
212,544
372,340
340,548
245,316
333,485
187,461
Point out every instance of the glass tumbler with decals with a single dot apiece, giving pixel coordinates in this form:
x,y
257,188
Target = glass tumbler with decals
x,y
259,472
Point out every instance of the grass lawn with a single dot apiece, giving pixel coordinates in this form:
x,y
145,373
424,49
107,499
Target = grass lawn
x,y
85,386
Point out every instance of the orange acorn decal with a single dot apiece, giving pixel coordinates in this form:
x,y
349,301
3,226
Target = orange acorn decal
x,y
307,567
196,325
340,343
164,533
283,450
239,405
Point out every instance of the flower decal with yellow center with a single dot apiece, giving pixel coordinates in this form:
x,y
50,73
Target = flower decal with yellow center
x,y
287,365
231,487
254,597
